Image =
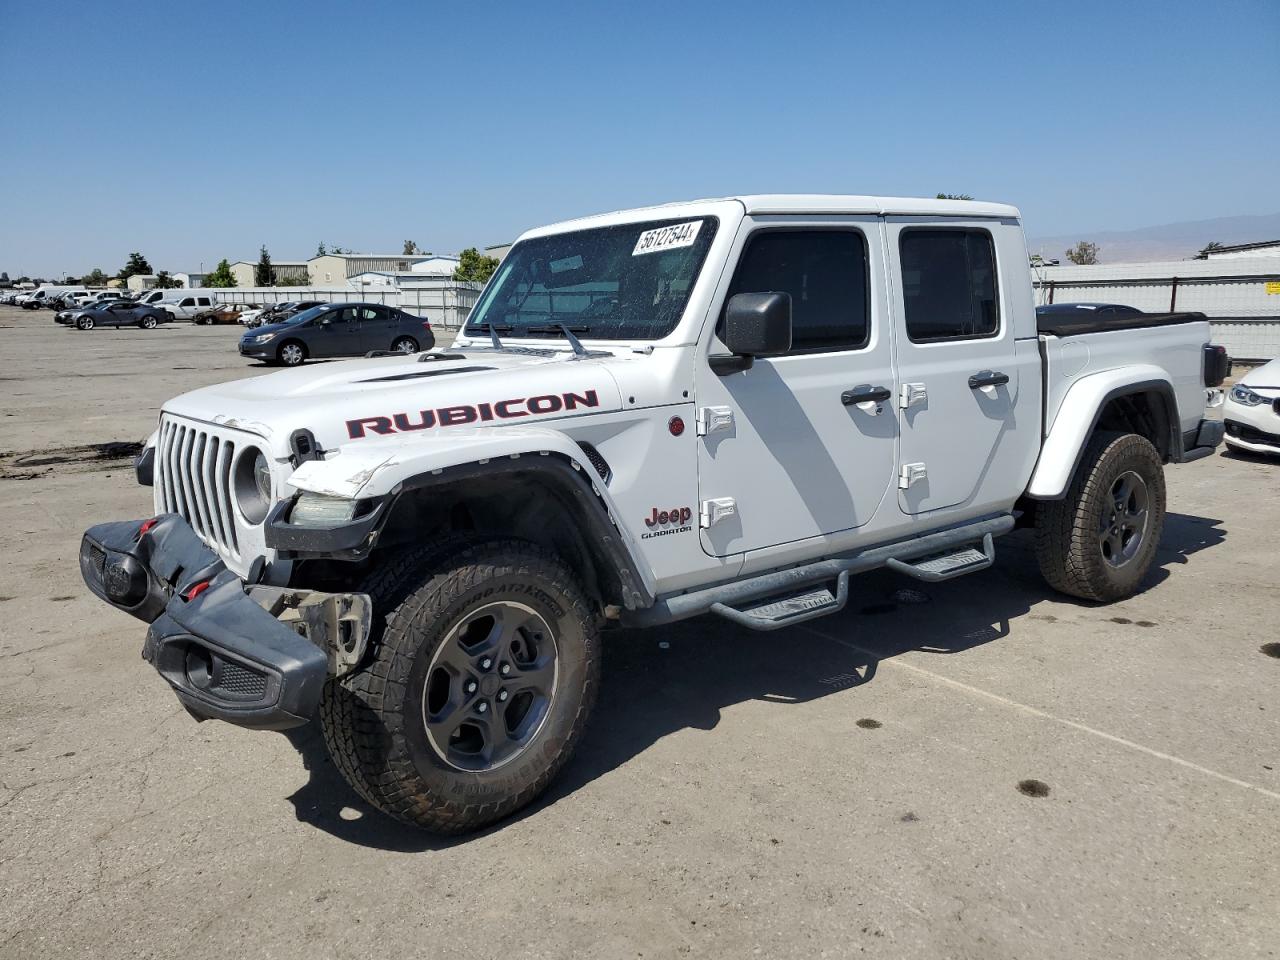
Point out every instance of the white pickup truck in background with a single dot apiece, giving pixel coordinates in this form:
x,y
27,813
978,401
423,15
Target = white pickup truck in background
x,y
724,406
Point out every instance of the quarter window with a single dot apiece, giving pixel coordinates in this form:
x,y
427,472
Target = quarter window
x,y
949,284
825,271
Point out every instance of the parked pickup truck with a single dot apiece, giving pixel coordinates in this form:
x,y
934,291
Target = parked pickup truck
x,y
723,407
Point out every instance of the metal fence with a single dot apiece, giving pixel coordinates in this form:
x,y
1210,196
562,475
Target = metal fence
x,y
1243,307
446,305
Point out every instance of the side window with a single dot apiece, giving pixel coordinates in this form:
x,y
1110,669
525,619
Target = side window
x,y
347,314
371,313
825,271
188,302
203,301
949,284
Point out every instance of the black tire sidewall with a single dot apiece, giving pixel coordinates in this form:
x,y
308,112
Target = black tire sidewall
x,y
1121,455
524,772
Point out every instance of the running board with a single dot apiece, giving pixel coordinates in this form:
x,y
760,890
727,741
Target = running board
x,y
783,612
947,566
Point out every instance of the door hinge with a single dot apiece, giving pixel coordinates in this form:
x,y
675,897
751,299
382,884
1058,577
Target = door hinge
x,y
714,419
911,473
713,511
910,394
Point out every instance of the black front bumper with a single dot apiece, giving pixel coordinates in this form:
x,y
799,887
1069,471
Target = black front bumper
x,y
225,656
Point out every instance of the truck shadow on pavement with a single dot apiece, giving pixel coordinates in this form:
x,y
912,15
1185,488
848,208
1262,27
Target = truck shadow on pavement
x,y
658,682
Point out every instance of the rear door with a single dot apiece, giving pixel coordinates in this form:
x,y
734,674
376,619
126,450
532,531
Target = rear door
x,y
958,366
376,329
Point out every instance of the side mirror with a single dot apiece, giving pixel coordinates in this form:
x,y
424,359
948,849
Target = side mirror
x,y
758,324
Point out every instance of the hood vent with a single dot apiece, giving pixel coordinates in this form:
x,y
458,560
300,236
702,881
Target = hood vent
x,y
419,374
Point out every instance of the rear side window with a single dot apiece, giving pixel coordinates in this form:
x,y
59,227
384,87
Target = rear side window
x,y
949,284
825,271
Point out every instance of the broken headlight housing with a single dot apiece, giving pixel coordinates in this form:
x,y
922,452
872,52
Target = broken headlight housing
x,y
319,511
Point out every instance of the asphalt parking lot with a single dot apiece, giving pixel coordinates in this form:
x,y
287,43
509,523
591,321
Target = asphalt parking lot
x,y
976,769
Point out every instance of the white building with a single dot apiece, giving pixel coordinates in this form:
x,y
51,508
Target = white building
x,y
1239,251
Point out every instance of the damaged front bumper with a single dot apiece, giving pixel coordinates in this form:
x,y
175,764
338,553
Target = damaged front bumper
x,y
253,655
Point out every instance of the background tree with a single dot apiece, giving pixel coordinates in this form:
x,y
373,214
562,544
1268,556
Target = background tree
x,y
337,250
320,249
94,278
474,266
137,265
165,282
954,196
221,276
1084,253
1207,249
263,274
410,248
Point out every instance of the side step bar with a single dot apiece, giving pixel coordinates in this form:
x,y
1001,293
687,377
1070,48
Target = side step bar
x,y
947,566
800,583
777,614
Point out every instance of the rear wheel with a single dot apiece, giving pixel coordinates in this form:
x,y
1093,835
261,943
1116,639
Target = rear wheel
x,y
84,323
147,323
1099,541
291,353
476,692
405,345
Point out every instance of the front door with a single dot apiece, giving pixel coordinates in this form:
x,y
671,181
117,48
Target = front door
x,y
957,363
801,445
338,337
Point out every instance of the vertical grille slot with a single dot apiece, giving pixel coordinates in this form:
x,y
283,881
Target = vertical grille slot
x,y
194,481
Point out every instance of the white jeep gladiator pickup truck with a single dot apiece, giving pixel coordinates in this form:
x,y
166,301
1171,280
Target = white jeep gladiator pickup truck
x,y
723,406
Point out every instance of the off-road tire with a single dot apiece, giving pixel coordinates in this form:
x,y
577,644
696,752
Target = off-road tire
x,y
373,719
1067,530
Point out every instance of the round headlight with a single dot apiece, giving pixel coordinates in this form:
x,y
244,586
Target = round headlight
x,y
253,484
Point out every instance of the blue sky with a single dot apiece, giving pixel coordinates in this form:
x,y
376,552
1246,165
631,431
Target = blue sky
x,y
196,131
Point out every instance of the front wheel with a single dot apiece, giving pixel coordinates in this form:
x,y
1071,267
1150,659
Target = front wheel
x,y
292,353
476,692
1099,541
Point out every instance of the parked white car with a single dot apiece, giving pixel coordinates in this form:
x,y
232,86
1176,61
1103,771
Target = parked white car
x,y
1252,410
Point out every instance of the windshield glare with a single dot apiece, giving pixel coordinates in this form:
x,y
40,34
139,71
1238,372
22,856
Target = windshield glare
x,y
304,316
624,282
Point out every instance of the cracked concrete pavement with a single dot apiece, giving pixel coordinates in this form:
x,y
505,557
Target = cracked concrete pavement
x,y
727,801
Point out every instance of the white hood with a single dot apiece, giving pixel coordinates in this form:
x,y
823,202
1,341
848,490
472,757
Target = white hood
x,y
354,401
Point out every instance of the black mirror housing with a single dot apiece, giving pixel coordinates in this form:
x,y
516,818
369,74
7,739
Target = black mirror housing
x,y
758,324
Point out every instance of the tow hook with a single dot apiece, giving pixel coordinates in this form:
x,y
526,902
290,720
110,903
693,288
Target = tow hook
x,y
337,623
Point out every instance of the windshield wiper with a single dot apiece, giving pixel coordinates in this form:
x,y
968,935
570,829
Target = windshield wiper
x,y
579,350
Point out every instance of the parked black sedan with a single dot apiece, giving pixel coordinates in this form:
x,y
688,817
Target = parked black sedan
x,y
114,313
337,330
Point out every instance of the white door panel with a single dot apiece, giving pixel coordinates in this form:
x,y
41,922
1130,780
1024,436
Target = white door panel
x,y
797,461
962,374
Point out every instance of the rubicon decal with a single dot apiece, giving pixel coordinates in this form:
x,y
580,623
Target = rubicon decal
x,y
674,521
468,413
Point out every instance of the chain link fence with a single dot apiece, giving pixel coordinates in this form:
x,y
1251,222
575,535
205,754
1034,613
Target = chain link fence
x,y
446,305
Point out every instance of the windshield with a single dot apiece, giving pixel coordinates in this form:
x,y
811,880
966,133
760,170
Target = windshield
x,y
303,317
625,282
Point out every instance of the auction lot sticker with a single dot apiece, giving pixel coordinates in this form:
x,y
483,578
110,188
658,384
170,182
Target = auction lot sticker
x,y
667,238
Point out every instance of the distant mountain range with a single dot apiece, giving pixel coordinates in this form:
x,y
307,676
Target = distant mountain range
x,y
1171,241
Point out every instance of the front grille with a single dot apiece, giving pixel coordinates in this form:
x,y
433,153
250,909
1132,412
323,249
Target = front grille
x,y
193,479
